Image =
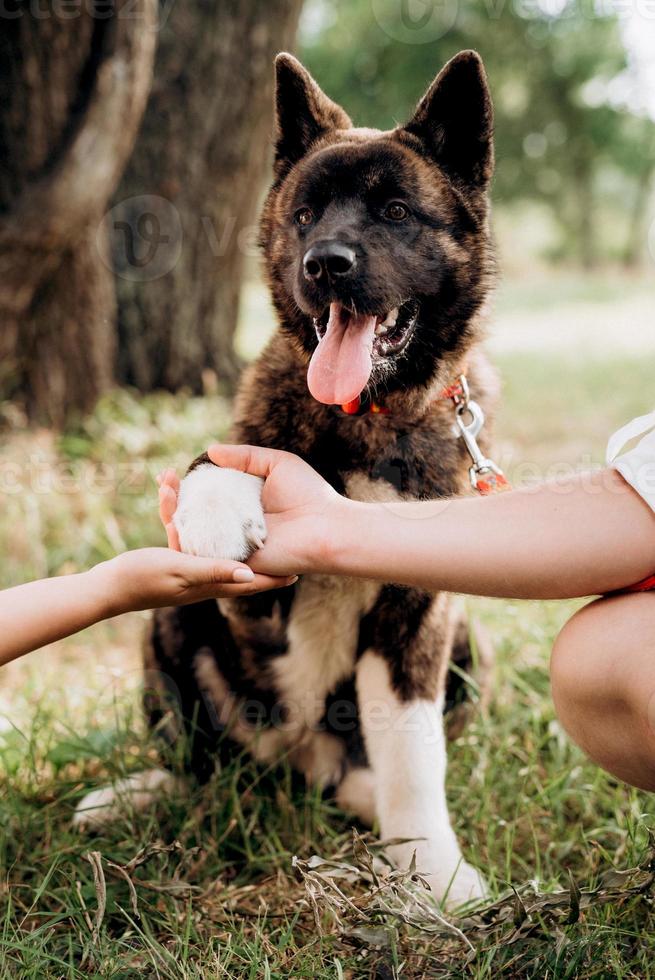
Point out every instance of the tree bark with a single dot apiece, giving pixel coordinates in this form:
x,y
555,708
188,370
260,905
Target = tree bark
x,y
73,86
189,195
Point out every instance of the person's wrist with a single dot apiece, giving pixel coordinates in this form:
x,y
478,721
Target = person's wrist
x,y
107,591
337,533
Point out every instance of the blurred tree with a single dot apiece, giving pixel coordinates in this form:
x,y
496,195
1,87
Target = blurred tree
x,y
73,85
182,220
641,164
550,63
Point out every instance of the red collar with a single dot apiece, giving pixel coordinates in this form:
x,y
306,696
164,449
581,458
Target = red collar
x,y
355,408
454,391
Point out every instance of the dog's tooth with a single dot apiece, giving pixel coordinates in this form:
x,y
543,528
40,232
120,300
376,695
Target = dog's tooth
x,y
380,328
392,317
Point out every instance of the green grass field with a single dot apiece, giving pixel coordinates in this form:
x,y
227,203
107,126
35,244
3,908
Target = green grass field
x,y
203,887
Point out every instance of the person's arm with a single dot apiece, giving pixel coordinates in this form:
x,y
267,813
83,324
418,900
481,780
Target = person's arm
x,y
558,541
38,613
585,536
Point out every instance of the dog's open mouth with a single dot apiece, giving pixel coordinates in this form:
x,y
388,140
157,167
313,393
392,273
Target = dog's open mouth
x,y
350,343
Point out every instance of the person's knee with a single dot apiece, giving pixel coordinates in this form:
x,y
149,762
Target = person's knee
x,y
603,684
589,681
577,674
562,660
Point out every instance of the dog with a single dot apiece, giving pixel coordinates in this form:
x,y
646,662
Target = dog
x,y
380,264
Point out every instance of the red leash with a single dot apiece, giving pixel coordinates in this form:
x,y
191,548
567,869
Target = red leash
x,y
486,478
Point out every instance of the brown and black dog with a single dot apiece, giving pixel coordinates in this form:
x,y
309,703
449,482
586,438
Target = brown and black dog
x,y
379,261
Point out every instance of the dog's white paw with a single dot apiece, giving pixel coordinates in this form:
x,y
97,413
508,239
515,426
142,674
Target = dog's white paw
x,y
101,807
219,513
451,880
356,794
320,759
466,885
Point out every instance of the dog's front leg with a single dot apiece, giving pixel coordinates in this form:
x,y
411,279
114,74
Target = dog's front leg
x,y
406,747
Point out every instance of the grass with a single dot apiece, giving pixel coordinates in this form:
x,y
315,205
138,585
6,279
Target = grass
x,y
203,886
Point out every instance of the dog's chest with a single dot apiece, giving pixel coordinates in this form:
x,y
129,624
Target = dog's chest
x,y
323,627
322,635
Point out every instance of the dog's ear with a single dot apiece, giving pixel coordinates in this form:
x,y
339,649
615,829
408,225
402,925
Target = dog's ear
x,y
303,112
454,120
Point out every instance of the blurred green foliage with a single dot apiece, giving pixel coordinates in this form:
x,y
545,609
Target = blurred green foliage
x,y
561,82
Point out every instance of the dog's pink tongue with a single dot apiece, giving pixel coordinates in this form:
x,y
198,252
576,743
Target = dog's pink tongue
x,y
341,364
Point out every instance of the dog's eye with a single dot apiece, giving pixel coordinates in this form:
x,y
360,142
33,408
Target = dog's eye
x,y
303,216
396,211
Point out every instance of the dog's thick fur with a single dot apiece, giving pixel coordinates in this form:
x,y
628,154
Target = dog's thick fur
x,y
348,678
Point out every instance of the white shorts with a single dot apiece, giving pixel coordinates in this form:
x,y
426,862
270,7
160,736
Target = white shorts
x,y
631,451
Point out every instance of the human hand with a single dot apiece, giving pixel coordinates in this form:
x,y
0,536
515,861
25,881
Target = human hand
x,y
152,577
302,511
227,571
169,488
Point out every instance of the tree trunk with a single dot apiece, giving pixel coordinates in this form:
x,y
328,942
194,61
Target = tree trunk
x,y
73,85
189,195
584,175
634,246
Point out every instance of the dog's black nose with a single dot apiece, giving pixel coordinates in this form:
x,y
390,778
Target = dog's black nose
x,y
330,259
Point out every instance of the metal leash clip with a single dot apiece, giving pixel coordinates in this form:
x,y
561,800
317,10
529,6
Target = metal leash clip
x,y
484,475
